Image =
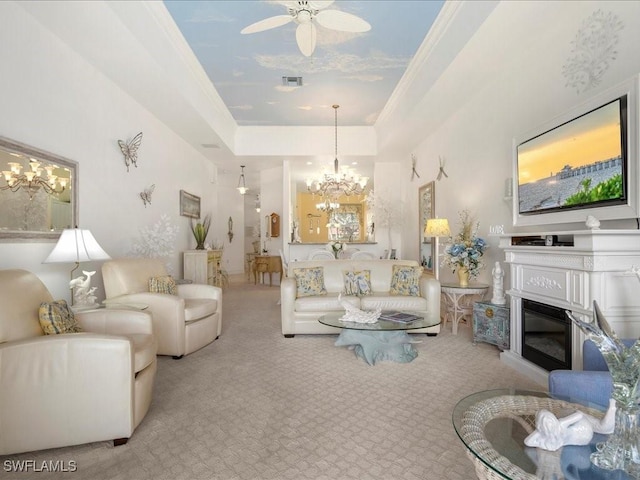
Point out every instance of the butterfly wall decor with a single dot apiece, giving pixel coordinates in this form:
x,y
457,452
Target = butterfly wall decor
x,y
441,172
414,172
130,150
146,195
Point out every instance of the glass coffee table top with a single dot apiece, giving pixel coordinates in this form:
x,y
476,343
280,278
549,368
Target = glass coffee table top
x,y
493,425
334,320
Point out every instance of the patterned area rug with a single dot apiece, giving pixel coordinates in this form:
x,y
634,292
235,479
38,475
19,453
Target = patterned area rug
x,y
254,405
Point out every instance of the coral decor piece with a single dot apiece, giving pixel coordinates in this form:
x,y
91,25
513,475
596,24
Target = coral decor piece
x,y
157,241
354,314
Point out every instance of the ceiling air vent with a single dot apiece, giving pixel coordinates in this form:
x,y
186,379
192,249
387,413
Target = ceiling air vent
x,y
292,81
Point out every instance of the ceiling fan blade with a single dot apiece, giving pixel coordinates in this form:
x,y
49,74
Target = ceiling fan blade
x,y
306,38
320,4
267,23
346,22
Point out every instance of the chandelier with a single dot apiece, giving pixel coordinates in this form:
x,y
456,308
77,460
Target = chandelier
x,y
32,180
242,187
343,181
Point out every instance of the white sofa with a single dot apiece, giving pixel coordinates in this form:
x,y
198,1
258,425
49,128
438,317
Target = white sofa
x,y
300,315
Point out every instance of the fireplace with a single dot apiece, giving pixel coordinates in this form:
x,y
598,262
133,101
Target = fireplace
x,y
546,335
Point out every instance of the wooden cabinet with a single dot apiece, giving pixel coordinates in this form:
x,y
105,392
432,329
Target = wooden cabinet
x,y
204,266
491,324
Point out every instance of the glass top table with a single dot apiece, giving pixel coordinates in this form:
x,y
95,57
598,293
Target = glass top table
x,y
382,340
493,425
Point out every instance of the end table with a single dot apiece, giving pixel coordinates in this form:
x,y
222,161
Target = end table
x,y
458,301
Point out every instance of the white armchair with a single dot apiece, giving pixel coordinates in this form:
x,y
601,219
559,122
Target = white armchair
x,y
70,389
182,323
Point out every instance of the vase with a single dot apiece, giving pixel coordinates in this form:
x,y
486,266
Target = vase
x,y
463,277
200,246
621,450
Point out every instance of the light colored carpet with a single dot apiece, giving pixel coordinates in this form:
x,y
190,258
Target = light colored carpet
x,y
254,405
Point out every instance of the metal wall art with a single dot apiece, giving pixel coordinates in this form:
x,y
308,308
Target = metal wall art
x,y
230,232
130,150
146,195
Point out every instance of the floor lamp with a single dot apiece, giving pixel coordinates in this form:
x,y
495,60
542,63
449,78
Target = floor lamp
x,y
76,245
437,227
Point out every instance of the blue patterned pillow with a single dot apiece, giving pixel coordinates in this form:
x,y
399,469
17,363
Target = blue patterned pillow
x,y
309,281
357,282
406,280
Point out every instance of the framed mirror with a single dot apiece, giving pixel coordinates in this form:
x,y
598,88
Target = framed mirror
x,y
38,192
426,210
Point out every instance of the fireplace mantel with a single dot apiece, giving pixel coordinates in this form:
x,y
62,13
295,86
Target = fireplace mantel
x,y
580,267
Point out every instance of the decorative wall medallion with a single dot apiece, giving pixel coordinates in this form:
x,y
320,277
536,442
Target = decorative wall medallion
x,y
130,150
592,50
544,282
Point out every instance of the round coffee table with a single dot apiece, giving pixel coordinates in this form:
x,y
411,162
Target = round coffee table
x,y
382,340
493,425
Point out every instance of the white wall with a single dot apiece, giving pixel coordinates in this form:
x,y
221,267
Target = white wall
x,y
54,100
521,92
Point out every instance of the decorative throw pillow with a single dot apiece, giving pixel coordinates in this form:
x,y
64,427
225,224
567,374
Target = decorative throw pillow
x,y
309,281
56,317
163,284
357,282
406,280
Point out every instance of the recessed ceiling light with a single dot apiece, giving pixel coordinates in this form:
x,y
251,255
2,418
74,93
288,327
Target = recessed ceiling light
x,y
309,163
292,81
354,163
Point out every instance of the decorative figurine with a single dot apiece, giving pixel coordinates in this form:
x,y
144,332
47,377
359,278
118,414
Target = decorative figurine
x,y
498,289
83,296
592,223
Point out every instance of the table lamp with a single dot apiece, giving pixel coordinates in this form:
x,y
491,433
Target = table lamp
x,y
77,245
437,227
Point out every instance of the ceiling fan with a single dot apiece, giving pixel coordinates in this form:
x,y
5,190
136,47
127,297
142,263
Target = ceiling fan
x,y
306,14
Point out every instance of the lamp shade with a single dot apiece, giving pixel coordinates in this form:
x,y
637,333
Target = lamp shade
x,y
437,227
76,245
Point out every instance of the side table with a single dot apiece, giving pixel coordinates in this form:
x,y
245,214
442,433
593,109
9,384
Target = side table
x,y
491,324
458,302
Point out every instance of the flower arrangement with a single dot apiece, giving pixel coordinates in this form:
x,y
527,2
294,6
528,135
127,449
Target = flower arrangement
x,y
336,247
466,248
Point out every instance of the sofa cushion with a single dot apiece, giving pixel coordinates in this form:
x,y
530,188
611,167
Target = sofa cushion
x,y
357,282
405,280
56,317
395,302
309,281
197,308
163,284
324,303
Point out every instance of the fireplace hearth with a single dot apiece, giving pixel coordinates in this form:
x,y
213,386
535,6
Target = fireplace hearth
x,y
546,335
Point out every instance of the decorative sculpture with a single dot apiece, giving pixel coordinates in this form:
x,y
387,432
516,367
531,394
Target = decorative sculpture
x,y
83,296
592,223
130,150
354,314
498,288
622,448
552,433
145,195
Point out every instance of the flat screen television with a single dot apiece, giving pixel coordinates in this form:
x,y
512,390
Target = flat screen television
x,y
580,165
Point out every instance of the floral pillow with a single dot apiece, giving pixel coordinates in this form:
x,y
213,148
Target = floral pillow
x,y
357,282
163,284
405,280
309,281
56,317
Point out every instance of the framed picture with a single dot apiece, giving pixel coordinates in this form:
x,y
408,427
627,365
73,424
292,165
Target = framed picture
x,y
426,210
189,205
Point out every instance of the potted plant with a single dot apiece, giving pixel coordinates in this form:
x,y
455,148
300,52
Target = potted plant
x,y
200,231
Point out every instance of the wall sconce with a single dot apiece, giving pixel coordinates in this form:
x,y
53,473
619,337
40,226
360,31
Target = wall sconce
x,y
437,227
242,187
257,203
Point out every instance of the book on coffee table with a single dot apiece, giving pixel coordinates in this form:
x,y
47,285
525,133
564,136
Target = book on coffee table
x,y
400,317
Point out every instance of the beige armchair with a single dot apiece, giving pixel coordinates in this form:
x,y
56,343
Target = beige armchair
x,y
182,323
69,389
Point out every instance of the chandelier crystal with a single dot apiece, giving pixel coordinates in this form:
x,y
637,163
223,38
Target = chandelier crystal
x,y
32,181
343,181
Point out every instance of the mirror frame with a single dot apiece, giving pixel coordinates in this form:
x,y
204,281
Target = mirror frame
x,y
29,151
426,210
